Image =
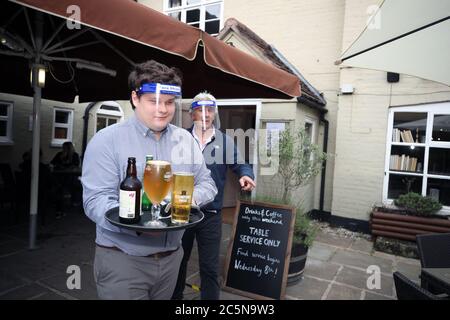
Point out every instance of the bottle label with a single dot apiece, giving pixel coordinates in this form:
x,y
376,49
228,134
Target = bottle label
x,y
127,204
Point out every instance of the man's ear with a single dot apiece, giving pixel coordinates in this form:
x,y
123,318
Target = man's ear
x,y
134,97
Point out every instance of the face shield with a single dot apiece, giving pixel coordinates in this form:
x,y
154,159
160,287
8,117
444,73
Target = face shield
x,y
166,97
208,114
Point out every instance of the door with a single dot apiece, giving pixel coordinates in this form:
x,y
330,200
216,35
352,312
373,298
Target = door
x,y
237,116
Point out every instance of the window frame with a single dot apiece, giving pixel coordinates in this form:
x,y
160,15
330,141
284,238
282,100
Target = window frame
x,y
432,109
69,125
8,139
202,6
109,114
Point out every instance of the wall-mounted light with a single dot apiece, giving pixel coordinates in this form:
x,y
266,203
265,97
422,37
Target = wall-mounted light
x,y
96,67
40,69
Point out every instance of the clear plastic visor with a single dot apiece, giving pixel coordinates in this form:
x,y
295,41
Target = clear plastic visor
x,y
165,97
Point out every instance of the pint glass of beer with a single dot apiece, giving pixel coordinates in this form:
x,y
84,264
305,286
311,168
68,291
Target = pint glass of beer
x,y
157,183
182,191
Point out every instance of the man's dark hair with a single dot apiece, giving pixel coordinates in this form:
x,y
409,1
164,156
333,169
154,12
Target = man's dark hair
x,y
152,71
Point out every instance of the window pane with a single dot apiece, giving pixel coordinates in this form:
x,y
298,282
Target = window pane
x,y
3,127
439,161
441,127
308,130
402,184
212,27
3,109
189,2
439,189
111,108
406,158
193,15
213,12
197,25
174,3
176,15
111,121
101,123
411,127
61,117
60,133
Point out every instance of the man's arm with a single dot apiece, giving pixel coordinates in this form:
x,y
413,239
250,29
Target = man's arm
x,y
238,166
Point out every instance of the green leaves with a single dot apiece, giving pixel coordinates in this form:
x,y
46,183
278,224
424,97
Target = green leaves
x,y
299,160
416,204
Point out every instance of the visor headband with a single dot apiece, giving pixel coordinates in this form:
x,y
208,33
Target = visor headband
x,y
159,88
206,103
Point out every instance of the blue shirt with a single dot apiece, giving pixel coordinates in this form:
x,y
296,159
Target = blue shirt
x,y
221,153
104,168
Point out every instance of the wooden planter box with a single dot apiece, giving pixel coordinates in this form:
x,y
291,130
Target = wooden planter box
x,y
405,227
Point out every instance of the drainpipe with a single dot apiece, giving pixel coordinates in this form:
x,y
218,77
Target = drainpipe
x,y
324,168
86,125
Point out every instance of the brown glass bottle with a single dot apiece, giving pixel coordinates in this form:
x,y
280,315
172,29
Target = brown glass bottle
x,y
130,195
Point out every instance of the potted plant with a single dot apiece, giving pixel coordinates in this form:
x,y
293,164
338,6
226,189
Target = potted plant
x,y
302,240
299,161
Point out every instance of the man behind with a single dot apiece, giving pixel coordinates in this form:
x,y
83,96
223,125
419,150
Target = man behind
x,y
214,145
130,265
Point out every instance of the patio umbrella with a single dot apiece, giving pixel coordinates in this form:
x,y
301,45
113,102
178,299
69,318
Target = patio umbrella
x,y
93,61
405,36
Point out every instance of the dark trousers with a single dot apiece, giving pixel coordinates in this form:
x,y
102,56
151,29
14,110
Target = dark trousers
x,y
208,234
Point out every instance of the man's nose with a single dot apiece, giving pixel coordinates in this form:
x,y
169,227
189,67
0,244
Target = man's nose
x,y
161,107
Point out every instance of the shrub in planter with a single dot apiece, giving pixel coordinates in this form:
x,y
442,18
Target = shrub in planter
x,y
303,237
299,161
416,204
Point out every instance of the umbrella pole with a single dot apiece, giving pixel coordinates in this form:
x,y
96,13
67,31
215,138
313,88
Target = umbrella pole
x,y
35,162
36,133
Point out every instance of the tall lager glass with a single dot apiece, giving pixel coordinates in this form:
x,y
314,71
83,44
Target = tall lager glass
x,y
157,183
182,190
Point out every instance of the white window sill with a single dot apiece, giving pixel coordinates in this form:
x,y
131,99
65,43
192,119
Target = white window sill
x,y
6,142
56,144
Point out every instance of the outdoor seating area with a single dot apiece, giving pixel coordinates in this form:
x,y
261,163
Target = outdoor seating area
x,y
434,254
336,266
15,193
190,150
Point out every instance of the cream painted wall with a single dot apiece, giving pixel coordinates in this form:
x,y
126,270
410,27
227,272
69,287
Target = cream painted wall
x,y
154,4
362,124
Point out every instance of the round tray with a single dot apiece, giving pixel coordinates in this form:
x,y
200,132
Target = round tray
x,y
195,217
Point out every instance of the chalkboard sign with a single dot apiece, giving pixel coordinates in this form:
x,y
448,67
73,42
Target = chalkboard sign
x,y
258,255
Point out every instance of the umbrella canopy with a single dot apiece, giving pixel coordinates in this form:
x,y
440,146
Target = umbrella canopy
x,y
118,34
406,36
93,60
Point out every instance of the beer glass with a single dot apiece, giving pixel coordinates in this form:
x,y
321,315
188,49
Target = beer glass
x,y
182,190
157,183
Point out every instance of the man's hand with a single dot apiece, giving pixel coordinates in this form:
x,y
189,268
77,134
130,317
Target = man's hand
x,y
247,183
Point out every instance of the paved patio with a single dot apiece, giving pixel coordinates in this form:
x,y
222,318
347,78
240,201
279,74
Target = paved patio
x,y
336,265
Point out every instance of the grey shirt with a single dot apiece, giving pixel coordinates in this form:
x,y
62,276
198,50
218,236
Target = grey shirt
x,y
104,168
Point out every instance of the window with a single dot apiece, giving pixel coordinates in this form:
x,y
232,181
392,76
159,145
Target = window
x,y
418,152
6,113
274,130
203,14
310,129
108,114
62,126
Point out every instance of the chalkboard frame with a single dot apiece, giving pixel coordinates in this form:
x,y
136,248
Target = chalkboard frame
x,y
287,253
